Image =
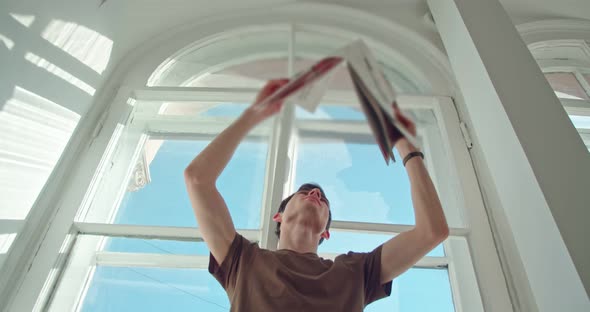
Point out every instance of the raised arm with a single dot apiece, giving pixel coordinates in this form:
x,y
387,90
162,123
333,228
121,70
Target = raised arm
x,y
403,251
201,174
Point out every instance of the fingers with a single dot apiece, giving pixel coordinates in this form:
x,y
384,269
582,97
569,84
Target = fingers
x,y
407,122
275,84
271,87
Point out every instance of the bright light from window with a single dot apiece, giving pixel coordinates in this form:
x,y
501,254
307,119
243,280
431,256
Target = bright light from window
x,y
566,86
331,113
33,131
562,95
6,241
52,68
580,122
7,42
25,20
86,45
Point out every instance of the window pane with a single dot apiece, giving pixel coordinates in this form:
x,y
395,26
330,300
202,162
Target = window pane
x,y
246,59
164,200
362,188
153,289
356,180
580,122
566,86
331,112
204,109
424,290
157,246
586,138
343,242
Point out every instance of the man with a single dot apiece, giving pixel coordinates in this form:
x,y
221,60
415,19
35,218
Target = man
x,y
294,278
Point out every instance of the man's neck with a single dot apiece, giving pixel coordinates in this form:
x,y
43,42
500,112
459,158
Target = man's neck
x,y
298,238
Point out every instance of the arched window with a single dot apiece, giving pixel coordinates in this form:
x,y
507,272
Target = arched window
x,y
137,240
566,65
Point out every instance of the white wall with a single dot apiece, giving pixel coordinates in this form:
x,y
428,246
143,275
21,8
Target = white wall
x,y
54,60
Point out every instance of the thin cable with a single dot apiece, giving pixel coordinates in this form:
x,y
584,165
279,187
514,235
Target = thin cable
x,y
162,249
179,289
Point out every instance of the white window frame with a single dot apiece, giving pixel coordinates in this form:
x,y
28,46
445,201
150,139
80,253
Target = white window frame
x,y
466,293
475,238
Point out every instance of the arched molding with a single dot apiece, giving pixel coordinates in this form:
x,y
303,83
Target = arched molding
x,y
555,29
411,55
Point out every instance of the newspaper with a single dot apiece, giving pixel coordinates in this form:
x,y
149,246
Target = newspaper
x,y
376,96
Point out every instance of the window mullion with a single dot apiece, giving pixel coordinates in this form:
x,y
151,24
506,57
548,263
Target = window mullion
x,y
282,147
384,228
151,231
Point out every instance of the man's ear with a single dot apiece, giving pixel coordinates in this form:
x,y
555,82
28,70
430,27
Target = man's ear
x,y
326,234
278,217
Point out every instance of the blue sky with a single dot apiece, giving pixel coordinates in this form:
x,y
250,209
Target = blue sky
x,y
356,180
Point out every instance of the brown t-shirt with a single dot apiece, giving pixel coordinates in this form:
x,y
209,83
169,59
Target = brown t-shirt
x,y
257,279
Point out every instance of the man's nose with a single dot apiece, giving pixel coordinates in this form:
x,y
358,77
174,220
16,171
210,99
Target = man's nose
x,y
316,192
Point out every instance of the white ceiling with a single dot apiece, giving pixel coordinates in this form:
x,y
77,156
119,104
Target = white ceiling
x,y
521,11
136,20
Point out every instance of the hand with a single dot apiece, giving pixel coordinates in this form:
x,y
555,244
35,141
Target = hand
x,y
259,111
404,146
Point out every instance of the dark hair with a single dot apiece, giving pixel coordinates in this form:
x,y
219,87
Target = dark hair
x,y
306,186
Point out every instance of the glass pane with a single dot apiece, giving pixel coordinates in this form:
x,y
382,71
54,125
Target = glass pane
x,y
153,289
343,242
580,122
566,86
424,290
356,180
157,246
204,109
330,112
163,200
362,188
586,138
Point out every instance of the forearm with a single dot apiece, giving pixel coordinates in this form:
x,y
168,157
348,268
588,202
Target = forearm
x,y
430,218
209,164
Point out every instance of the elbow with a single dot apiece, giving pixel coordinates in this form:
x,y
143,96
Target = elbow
x,y
439,233
194,176
436,234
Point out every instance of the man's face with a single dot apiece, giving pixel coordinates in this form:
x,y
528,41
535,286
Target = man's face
x,y
309,206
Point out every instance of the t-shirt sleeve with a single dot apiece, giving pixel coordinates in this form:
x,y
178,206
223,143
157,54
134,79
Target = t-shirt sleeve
x,y
238,255
374,290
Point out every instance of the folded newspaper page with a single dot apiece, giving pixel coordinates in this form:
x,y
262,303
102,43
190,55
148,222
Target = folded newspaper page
x,y
376,96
